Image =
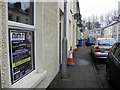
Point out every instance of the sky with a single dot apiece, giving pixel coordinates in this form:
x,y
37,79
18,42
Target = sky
x,y
97,7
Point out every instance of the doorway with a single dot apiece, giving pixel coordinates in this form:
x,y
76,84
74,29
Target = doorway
x,y
61,20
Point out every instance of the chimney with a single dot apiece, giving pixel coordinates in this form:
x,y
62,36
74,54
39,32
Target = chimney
x,y
17,5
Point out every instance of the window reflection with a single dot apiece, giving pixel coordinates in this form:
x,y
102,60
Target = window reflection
x,y
21,11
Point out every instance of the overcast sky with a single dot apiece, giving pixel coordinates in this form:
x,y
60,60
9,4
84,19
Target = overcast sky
x,y
97,7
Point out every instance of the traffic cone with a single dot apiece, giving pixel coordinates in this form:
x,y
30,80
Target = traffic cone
x,y
70,59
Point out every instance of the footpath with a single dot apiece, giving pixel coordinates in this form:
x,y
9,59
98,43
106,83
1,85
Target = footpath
x,y
81,75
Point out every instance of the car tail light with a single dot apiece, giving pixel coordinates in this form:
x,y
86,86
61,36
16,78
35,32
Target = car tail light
x,y
97,49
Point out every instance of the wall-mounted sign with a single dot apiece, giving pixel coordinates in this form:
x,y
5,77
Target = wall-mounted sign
x,y
21,53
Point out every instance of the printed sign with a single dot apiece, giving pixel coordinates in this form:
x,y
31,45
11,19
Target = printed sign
x,y
17,36
21,53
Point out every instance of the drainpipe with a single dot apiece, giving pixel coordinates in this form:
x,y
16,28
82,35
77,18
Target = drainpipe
x,y
64,45
0,78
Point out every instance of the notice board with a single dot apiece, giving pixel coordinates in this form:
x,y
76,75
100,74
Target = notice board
x,y
21,47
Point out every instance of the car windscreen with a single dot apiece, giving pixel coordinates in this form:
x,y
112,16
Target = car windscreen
x,y
107,42
91,40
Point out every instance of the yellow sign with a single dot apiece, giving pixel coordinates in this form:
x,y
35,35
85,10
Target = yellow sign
x,y
21,62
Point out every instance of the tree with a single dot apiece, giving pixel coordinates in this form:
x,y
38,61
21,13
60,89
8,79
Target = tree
x,y
107,19
104,20
88,25
97,25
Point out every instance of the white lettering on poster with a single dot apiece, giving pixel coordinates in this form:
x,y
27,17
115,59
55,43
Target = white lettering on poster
x,y
17,36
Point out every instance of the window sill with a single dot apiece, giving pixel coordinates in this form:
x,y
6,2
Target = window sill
x,y
32,81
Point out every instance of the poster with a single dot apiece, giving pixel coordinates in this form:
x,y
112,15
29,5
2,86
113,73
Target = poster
x,y
21,53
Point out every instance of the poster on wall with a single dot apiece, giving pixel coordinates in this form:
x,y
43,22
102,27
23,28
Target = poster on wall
x,y
21,53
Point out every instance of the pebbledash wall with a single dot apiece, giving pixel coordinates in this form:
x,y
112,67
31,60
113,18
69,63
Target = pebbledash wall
x,y
4,46
50,41
47,43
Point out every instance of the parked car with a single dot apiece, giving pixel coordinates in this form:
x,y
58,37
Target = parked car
x,y
113,65
101,47
90,41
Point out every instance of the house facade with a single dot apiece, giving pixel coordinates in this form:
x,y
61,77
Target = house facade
x,y
31,41
112,30
95,33
86,33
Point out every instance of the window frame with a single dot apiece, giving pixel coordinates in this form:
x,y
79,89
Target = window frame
x,y
11,58
31,18
20,26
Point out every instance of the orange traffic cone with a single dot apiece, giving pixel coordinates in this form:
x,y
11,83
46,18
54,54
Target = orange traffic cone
x,y
70,60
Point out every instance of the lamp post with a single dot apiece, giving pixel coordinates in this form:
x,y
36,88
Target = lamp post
x,y
64,44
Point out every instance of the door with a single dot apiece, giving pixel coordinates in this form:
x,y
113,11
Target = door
x,y
61,19
116,62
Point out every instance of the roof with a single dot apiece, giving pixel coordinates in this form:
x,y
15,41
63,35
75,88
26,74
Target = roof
x,y
11,6
111,24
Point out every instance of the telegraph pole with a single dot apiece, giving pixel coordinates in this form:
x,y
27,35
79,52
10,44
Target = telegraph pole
x,y
64,44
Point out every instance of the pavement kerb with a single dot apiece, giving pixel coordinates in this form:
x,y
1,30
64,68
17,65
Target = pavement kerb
x,y
99,80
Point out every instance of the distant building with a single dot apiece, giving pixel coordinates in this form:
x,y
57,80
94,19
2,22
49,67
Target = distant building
x,y
95,33
77,17
86,33
112,30
119,8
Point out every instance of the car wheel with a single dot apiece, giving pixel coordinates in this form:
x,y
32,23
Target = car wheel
x,y
108,75
93,57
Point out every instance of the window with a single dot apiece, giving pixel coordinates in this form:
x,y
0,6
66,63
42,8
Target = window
x,y
21,53
23,9
118,37
117,52
17,19
113,48
114,28
98,31
26,21
21,38
10,17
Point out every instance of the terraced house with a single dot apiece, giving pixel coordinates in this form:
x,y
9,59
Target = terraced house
x,y
112,30
31,33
